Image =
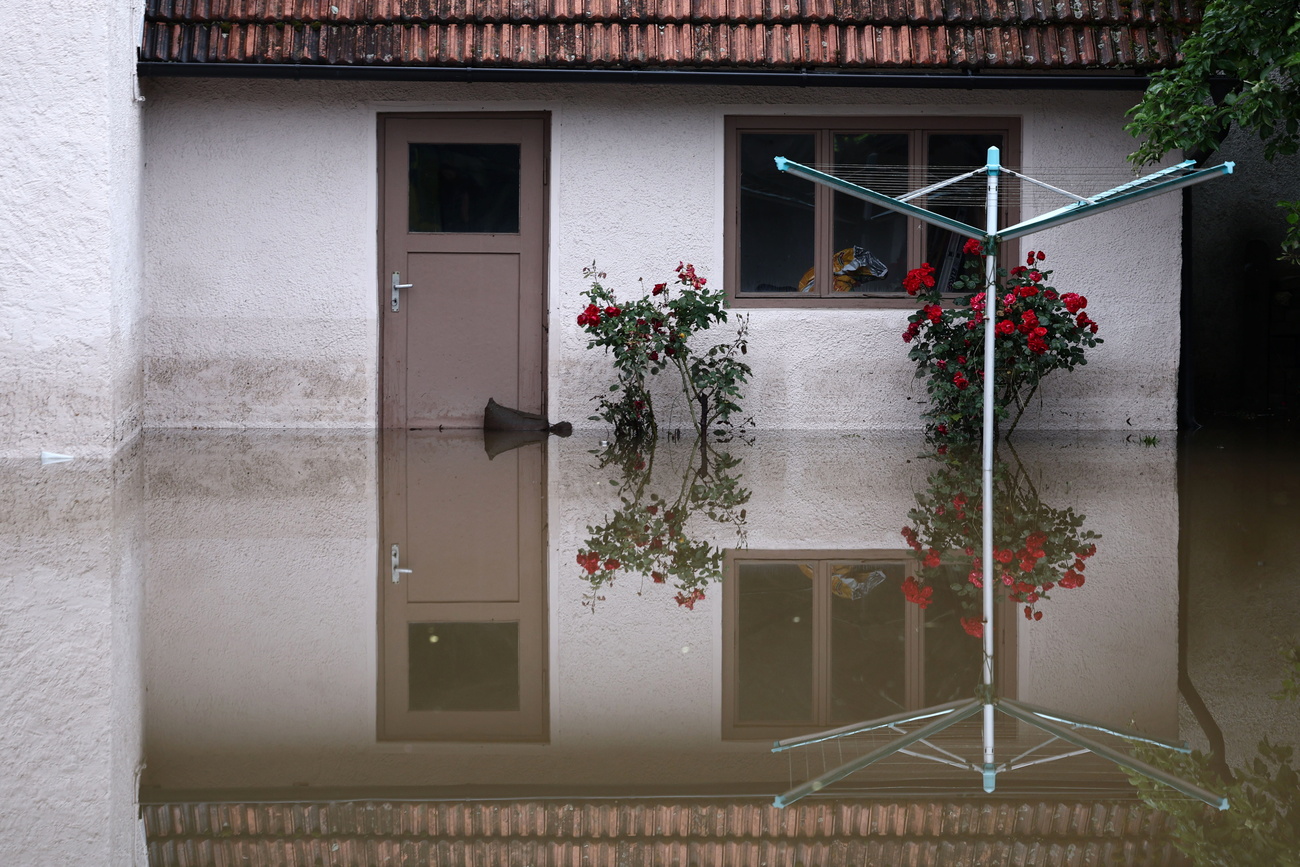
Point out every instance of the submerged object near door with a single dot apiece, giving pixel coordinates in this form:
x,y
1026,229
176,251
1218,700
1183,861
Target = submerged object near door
x,y
498,417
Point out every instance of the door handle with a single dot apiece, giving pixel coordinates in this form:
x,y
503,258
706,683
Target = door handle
x,y
395,557
398,286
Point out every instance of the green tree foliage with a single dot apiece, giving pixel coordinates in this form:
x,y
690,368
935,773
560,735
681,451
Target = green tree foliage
x,y
1239,69
1262,822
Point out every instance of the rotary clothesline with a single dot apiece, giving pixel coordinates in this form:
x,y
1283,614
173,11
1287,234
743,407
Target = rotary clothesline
x,y
1059,726
1024,188
1157,183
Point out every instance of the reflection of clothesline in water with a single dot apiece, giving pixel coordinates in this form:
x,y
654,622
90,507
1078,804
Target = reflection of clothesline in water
x,y
908,770
826,758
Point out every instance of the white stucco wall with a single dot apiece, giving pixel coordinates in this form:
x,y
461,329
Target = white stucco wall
x,y
71,359
260,626
71,307
260,205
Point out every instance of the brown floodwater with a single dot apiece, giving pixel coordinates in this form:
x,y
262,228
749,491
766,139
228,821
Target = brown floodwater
x,y
432,618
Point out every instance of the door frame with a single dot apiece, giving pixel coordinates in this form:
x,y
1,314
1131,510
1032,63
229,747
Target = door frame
x,y
384,291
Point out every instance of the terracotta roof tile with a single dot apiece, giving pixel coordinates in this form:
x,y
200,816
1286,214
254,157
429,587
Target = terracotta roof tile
x,y
770,34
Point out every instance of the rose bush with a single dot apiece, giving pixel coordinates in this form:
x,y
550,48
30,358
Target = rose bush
x,y
1038,330
651,334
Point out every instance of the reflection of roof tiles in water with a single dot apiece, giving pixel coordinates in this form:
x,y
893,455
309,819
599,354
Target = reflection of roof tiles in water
x,y
713,832
847,34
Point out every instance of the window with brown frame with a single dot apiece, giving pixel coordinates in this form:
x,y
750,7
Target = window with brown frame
x,y
784,233
816,639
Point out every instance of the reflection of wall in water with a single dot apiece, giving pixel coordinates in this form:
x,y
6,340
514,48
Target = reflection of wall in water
x,y
260,635
1241,506
71,570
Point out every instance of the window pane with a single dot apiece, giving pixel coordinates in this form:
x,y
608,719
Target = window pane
x,y
952,657
868,652
776,214
774,643
463,666
870,242
464,188
943,248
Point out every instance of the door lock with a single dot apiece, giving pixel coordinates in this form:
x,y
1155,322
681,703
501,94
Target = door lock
x,y
395,556
398,286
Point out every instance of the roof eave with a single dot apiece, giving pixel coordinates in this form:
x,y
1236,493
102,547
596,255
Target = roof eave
x,y
1090,79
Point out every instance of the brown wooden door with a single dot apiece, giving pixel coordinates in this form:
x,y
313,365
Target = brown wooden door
x,y
463,645
463,223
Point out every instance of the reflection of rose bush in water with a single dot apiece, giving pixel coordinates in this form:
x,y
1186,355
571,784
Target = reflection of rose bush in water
x,y
647,534
1036,548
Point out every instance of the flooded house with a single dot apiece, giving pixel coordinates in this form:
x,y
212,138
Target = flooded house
x,y
272,598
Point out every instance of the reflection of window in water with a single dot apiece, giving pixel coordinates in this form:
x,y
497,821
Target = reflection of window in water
x,y
463,666
818,641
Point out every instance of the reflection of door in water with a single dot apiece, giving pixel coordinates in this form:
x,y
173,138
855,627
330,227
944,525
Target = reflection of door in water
x,y
463,634
462,211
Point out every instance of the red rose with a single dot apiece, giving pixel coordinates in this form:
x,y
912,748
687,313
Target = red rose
x,y
973,626
659,289
1040,255
1005,327
973,248
688,600
919,278
931,559
611,564
916,594
1003,555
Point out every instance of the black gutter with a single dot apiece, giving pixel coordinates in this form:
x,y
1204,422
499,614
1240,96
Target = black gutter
x,y
969,80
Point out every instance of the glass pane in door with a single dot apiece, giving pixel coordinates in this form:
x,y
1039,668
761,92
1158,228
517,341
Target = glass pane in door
x,y
464,188
463,666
